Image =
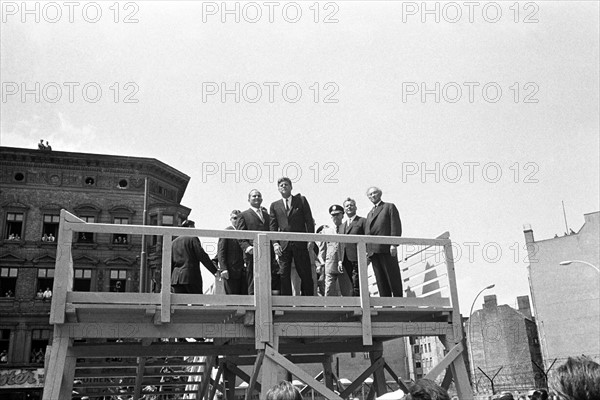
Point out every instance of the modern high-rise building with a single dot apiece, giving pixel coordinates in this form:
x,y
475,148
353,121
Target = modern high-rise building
x,y
565,287
35,186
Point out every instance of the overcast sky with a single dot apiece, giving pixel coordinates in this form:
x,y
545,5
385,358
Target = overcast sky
x,y
475,123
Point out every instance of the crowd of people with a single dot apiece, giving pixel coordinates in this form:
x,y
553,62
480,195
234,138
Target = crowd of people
x,y
577,379
298,268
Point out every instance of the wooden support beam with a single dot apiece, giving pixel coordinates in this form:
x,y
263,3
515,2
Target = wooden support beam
x,y
139,377
243,376
367,334
228,382
445,362
165,290
328,371
277,358
396,378
459,371
252,384
203,387
378,375
57,365
262,291
215,382
361,378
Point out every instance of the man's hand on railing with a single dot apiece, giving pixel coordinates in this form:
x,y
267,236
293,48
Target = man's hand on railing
x,y
393,250
225,274
277,248
340,267
249,250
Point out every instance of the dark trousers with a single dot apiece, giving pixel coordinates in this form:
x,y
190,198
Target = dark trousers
x,y
298,252
387,274
236,285
351,268
188,288
275,277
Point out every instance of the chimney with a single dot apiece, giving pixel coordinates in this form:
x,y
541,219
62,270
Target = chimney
x,y
490,302
528,232
523,304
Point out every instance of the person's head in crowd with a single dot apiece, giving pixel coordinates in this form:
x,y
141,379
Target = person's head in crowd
x,y
577,379
255,198
233,216
284,390
284,185
337,214
426,389
350,207
506,396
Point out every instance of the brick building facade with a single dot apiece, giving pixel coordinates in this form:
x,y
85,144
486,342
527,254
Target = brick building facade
x,y
503,340
35,186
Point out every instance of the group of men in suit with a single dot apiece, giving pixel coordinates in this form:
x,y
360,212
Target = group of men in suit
x,y
292,213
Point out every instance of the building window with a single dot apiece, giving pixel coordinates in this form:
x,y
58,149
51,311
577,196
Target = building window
x,y
416,349
120,238
418,364
14,226
366,356
86,237
8,282
118,279
39,340
167,220
82,281
4,345
45,282
50,227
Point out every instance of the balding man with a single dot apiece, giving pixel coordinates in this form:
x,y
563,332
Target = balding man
x,y
384,220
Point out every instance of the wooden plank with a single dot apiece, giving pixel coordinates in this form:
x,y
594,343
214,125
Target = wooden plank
x,y
341,329
215,383
300,374
315,301
139,377
328,371
410,302
378,375
229,300
63,270
252,384
56,365
459,372
262,292
113,298
206,373
445,362
396,378
365,300
165,290
361,378
243,376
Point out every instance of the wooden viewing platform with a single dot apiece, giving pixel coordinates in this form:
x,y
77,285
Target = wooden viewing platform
x,y
130,345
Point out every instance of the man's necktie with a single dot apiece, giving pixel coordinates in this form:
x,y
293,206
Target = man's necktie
x,y
287,207
259,213
337,229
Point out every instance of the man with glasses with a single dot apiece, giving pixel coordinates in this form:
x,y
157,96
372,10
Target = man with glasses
x,y
231,261
384,220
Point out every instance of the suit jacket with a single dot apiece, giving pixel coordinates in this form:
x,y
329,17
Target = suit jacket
x,y
249,221
186,256
231,256
299,219
330,253
383,221
357,227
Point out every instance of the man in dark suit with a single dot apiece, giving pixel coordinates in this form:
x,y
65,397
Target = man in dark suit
x,y
256,218
384,220
231,261
292,214
354,225
186,255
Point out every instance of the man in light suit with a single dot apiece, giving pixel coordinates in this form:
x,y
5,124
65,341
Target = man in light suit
x,y
330,253
231,261
354,225
384,220
186,255
256,218
292,214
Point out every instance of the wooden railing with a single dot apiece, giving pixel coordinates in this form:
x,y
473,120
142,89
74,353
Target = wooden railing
x,y
417,268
